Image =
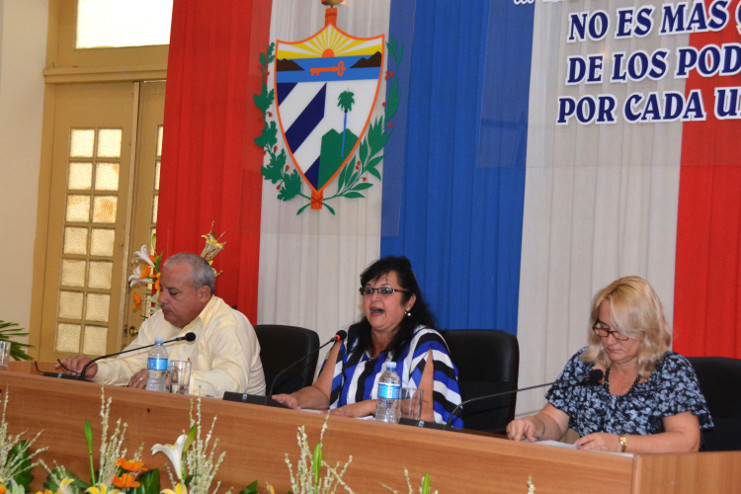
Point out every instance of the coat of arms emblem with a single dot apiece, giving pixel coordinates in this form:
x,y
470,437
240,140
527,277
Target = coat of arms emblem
x,y
325,89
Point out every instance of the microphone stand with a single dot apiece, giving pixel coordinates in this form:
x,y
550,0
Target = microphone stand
x,y
339,336
592,377
188,337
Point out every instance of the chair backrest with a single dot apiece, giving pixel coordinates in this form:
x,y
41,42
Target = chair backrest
x,y
281,346
720,382
488,362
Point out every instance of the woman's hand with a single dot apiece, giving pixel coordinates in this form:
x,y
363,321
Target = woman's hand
x,y
599,441
530,428
360,409
288,400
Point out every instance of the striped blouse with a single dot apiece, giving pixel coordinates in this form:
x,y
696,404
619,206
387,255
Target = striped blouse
x,y
355,379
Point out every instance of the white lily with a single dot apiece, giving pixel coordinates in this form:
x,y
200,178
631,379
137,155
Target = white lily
x,y
136,278
174,453
143,256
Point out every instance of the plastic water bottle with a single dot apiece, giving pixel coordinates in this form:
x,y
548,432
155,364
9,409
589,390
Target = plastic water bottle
x,y
389,389
157,366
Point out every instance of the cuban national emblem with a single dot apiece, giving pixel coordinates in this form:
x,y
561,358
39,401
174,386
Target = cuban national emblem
x,y
325,90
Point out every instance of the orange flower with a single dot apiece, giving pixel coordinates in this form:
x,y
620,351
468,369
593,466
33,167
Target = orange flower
x,y
137,301
3,489
125,481
130,465
145,272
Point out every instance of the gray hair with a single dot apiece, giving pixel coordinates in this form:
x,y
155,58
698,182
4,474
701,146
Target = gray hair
x,y
202,273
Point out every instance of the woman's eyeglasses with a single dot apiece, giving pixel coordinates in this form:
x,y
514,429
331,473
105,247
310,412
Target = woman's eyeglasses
x,y
603,331
384,291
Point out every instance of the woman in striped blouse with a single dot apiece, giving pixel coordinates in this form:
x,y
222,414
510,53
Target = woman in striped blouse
x,y
398,326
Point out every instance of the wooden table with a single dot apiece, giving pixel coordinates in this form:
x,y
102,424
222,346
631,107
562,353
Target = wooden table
x,y
257,438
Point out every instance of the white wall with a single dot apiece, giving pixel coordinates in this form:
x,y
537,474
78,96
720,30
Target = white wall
x,y
23,28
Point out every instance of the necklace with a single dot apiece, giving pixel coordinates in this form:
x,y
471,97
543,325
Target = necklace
x,y
625,390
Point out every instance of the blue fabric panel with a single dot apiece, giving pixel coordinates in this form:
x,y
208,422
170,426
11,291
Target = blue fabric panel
x,y
461,223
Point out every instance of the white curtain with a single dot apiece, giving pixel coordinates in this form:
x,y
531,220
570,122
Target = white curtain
x,y
600,200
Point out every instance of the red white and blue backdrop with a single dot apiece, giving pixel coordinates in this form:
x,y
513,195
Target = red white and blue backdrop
x,y
533,152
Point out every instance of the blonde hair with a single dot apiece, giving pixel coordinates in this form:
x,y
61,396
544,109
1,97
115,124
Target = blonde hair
x,y
636,312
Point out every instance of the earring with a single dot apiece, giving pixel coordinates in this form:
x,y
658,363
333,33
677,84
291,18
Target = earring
x,y
408,312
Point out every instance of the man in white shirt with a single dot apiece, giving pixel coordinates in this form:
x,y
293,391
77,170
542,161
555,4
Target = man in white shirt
x,y
225,355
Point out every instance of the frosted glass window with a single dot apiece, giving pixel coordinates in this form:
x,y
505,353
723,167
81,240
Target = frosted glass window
x,y
118,23
106,176
102,242
96,308
109,143
100,275
75,240
78,208
73,273
160,134
68,338
104,210
157,175
80,176
81,143
93,343
155,205
70,304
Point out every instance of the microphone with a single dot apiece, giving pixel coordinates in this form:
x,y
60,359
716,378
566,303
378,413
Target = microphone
x,y
339,336
190,336
592,377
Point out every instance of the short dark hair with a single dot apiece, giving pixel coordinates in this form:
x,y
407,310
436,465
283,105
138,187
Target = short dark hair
x,y
201,271
419,315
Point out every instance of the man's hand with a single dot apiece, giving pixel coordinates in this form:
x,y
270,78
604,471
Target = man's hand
x,y
139,380
74,366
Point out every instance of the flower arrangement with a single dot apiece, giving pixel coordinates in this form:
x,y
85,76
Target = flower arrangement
x,y
424,487
148,266
115,474
308,478
196,471
16,458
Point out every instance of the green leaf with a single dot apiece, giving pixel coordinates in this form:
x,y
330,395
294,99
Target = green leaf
x,y
20,456
392,100
150,483
329,208
353,195
291,186
271,54
89,439
373,162
426,484
364,149
316,463
77,486
250,489
362,186
8,331
375,173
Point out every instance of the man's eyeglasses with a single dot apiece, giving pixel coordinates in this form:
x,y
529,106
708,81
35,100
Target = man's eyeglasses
x,y
603,331
384,291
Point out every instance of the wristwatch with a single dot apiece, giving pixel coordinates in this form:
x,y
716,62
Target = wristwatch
x,y
623,442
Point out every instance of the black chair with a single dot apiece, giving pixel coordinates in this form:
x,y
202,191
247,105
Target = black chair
x,y
281,346
720,382
488,362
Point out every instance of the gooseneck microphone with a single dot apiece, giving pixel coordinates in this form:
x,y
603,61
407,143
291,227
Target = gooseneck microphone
x,y
190,336
593,377
339,336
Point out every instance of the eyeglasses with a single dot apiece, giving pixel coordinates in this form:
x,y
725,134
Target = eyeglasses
x,y
384,291
603,331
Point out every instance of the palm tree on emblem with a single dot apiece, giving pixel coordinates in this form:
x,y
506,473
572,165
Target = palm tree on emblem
x,y
345,102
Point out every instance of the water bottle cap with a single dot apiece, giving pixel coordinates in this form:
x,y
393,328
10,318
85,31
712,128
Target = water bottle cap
x,y
391,364
159,341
